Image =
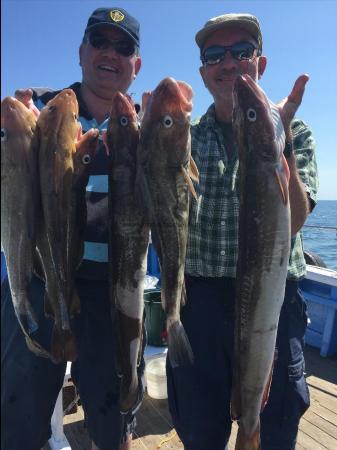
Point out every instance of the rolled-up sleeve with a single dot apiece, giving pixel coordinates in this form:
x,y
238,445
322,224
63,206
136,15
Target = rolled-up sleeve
x,y
304,148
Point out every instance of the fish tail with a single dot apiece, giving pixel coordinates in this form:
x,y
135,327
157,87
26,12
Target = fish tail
x,y
129,394
248,442
63,345
26,316
36,348
180,351
75,305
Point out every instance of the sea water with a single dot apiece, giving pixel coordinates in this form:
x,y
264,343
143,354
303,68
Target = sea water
x,y
322,241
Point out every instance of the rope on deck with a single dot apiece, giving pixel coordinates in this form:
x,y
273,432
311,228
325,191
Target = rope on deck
x,y
163,441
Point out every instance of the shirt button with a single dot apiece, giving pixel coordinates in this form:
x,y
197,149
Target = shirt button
x,y
222,252
223,222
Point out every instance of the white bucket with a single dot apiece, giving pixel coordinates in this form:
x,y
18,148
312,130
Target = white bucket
x,y
155,375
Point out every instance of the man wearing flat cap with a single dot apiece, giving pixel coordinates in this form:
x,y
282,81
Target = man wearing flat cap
x,y
110,61
199,396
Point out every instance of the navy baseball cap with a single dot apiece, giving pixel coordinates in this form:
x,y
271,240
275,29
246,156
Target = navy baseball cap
x,y
116,17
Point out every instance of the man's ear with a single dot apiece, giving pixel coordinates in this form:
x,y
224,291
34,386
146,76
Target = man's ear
x,y
138,64
80,51
261,66
201,70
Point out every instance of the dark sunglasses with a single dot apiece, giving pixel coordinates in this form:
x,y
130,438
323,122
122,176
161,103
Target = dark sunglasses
x,y
124,48
240,51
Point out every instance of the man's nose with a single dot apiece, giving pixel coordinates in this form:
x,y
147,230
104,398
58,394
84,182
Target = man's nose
x,y
228,59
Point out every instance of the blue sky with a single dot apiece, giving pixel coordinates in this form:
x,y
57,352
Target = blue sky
x,y
40,41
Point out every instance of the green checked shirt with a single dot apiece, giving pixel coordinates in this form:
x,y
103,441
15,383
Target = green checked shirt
x,y
212,249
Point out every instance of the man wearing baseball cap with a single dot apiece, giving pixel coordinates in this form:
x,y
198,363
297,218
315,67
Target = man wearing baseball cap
x,y
110,61
199,396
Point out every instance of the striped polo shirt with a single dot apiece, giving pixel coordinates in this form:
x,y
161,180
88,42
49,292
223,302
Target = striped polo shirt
x,y
94,265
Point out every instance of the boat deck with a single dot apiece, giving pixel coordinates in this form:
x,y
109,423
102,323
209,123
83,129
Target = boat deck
x,y
318,427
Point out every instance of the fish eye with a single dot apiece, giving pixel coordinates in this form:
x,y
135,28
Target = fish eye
x,y
123,121
3,134
75,116
251,115
86,159
167,121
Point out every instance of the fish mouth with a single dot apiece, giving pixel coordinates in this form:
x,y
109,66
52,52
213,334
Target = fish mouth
x,y
177,91
122,105
245,82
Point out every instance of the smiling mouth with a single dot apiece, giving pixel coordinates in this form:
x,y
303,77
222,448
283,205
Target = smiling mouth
x,y
108,68
227,78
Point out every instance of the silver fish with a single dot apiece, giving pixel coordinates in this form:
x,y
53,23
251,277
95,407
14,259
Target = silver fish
x,y
264,245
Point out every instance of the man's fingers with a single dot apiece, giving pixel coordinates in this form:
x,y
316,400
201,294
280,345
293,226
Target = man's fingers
x,y
297,92
24,95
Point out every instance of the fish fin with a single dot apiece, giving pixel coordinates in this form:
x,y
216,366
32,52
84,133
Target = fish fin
x,y
183,294
105,142
236,396
129,395
36,348
189,182
48,309
180,351
37,265
63,346
193,170
248,442
267,389
26,317
282,177
75,305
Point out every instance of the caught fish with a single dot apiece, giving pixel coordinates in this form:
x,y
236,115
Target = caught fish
x,y
164,184
264,245
62,169
19,207
128,243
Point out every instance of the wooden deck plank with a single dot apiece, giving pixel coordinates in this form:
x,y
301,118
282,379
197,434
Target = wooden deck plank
x,y
317,431
314,431
329,428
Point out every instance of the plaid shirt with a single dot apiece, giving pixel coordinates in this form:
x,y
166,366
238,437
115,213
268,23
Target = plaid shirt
x,y
212,249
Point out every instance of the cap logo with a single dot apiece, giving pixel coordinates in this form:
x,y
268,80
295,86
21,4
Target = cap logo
x,y
116,15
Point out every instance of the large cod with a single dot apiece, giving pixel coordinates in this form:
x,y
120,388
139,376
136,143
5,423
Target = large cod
x,y
128,243
20,201
64,156
264,245
164,184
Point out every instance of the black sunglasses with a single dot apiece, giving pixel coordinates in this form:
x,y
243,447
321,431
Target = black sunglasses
x,y
123,47
241,51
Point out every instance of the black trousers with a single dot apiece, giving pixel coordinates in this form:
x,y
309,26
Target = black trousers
x,y
199,395
30,384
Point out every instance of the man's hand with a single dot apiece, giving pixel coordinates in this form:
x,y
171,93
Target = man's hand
x,y
25,97
289,105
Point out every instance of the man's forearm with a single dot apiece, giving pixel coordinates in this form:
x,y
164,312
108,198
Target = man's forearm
x,y
299,202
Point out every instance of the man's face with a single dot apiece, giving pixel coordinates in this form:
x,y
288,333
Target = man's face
x,y
219,78
105,70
